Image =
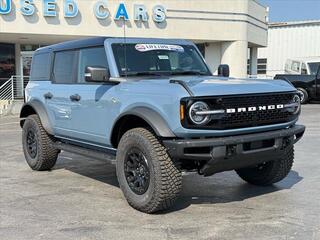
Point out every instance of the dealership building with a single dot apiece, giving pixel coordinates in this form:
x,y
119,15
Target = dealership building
x,y
226,31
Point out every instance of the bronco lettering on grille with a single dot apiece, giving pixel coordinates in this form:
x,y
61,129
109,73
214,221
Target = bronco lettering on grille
x,y
254,109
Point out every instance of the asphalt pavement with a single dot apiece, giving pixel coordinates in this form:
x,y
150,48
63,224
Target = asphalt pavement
x,y
80,199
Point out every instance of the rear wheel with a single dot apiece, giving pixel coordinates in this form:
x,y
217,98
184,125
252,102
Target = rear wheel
x,y
304,96
38,145
147,176
271,172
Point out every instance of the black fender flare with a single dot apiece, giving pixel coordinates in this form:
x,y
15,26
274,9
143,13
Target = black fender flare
x,y
39,108
153,118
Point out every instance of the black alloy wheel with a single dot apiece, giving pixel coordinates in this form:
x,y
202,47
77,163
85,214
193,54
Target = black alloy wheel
x,y
304,96
137,171
149,179
37,145
32,143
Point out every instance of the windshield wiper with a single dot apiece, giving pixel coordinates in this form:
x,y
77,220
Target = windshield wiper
x,y
130,74
166,73
190,73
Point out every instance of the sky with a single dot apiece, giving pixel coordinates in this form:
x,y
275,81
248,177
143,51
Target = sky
x,y
292,10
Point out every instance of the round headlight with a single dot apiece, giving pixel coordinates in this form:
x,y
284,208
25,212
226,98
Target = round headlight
x,y
195,113
296,100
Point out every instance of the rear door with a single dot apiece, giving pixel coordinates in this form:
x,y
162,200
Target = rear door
x,y
57,97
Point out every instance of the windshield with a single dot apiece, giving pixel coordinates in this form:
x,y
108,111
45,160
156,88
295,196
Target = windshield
x,y
314,67
158,60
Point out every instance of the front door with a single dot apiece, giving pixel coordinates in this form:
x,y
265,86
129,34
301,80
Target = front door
x,y
89,121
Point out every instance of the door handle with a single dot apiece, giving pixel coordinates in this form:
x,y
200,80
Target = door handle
x,y
48,95
75,97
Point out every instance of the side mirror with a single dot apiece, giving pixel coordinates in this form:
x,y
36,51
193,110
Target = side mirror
x,y
96,74
223,70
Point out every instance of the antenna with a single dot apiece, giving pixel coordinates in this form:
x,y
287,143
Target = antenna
x,y
125,48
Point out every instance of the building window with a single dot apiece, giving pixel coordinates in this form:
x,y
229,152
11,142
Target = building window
x,y
261,67
30,47
7,61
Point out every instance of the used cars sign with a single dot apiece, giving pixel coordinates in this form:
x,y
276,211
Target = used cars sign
x,y
100,10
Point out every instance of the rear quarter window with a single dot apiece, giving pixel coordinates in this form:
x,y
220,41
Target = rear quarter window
x,y
64,67
40,69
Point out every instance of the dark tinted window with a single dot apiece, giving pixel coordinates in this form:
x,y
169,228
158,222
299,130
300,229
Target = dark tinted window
x,y
64,65
40,67
261,67
91,57
7,61
202,48
314,67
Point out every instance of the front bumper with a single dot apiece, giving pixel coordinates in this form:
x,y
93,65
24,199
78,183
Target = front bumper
x,y
228,153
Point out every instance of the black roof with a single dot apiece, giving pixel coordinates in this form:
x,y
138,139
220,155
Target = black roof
x,y
75,44
98,41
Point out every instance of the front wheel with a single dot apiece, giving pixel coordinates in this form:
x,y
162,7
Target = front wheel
x,y
147,176
270,172
304,96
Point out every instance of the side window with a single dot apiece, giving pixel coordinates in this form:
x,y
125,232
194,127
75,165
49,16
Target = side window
x,y
91,57
295,66
304,70
64,65
287,67
40,69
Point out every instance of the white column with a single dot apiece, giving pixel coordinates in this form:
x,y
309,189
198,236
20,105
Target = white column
x,y
235,54
213,56
253,61
18,59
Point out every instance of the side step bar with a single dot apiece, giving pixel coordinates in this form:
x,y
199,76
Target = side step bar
x,y
105,154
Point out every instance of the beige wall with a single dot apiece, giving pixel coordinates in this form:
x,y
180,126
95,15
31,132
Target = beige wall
x,y
219,23
203,20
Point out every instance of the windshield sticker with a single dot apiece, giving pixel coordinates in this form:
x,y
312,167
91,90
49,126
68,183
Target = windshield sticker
x,y
154,47
163,57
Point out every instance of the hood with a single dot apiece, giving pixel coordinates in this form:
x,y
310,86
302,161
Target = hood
x,y
207,86
230,86
210,85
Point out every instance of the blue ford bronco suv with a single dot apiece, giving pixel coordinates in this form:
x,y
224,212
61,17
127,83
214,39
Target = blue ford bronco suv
x,y
153,107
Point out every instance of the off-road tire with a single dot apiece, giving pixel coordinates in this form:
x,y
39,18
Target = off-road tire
x,y
305,98
46,154
271,172
165,178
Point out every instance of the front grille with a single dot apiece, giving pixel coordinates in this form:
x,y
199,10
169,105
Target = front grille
x,y
247,119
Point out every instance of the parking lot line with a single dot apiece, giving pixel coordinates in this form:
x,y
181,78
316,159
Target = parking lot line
x,y
9,123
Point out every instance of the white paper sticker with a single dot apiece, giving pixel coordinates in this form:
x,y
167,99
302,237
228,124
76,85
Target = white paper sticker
x,y
154,47
163,57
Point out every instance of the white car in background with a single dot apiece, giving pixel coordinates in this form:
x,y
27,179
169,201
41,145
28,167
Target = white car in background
x,y
303,66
